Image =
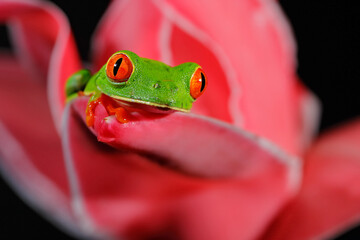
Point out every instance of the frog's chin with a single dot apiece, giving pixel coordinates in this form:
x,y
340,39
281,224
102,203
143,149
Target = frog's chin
x,y
145,106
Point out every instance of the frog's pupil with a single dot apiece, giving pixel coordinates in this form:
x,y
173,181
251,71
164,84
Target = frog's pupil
x,y
202,82
117,66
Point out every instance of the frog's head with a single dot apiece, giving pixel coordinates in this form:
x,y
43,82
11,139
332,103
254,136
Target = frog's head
x,y
132,79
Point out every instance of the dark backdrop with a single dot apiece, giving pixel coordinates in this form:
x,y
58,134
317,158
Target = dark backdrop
x,y
327,34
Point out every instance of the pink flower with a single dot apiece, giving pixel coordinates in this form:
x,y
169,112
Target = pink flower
x,y
216,173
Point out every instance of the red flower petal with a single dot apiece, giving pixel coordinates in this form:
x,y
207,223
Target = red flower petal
x,y
31,155
248,56
44,43
328,202
122,27
212,178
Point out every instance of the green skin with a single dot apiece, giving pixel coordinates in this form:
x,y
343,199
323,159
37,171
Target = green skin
x,y
151,83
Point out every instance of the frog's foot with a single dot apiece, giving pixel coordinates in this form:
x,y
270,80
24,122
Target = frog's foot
x,y
121,114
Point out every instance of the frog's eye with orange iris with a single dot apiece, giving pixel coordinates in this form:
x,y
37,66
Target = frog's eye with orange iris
x,y
119,68
198,83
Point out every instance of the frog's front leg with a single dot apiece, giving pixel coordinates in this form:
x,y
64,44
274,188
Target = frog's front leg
x,y
120,113
94,100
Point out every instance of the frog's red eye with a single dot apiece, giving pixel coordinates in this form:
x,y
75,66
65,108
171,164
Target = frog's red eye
x,y
198,83
119,68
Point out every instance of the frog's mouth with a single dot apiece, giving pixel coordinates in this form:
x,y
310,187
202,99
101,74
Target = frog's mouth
x,y
145,106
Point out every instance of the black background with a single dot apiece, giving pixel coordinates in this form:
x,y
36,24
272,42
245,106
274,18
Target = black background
x,y
327,34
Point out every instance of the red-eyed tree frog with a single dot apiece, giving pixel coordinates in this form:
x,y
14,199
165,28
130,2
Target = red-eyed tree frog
x,y
128,81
